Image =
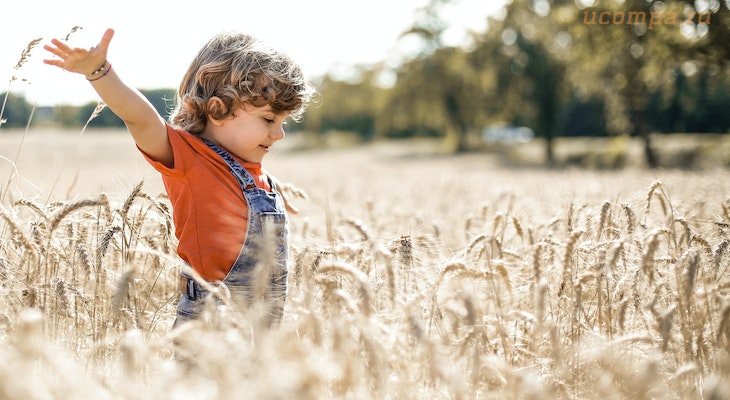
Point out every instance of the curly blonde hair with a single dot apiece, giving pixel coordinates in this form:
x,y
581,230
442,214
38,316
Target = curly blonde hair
x,y
239,69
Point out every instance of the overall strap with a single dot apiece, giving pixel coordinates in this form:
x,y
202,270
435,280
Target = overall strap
x,y
272,181
242,176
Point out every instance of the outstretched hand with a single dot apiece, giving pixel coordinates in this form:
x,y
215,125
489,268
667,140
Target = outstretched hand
x,y
76,59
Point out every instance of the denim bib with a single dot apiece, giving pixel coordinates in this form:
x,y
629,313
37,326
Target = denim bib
x,y
260,271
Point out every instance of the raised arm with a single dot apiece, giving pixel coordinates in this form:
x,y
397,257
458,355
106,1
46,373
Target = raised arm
x,y
144,123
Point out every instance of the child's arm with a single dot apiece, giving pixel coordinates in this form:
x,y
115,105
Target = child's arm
x,y
144,123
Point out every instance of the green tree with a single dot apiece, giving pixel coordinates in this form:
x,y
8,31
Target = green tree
x,y
69,116
530,82
347,105
714,36
627,52
435,93
161,99
16,110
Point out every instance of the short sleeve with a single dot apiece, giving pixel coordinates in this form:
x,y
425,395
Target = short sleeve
x,y
180,151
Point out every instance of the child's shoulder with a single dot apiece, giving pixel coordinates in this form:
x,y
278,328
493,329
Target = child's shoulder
x,y
188,149
179,133
180,137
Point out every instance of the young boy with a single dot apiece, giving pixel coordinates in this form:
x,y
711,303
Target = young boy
x,y
230,220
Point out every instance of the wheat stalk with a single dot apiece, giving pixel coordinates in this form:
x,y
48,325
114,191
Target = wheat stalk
x,y
68,209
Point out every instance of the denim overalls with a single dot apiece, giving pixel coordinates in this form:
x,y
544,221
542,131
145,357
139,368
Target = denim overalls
x,y
265,251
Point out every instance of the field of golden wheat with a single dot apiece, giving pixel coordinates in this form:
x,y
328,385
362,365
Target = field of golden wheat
x,y
413,275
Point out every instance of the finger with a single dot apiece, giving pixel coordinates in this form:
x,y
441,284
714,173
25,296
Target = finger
x,y
56,63
54,50
105,40
61,46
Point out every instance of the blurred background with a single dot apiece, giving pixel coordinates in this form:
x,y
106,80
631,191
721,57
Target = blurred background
x,y
602,84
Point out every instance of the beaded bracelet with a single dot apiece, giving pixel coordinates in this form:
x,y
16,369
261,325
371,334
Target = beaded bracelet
x,y
98,71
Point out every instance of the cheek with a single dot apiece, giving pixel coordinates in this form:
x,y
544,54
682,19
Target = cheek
x,y
253,135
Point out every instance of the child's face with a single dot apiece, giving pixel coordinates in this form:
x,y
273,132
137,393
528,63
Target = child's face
x,y
251,133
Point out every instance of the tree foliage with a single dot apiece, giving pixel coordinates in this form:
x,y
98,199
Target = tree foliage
x,y
358,102
15,110
641,67
560,67
18,111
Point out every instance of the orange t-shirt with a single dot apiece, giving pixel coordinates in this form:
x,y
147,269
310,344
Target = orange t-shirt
x,y
209,210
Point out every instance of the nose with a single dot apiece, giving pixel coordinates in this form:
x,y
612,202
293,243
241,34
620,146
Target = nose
x,y
277,132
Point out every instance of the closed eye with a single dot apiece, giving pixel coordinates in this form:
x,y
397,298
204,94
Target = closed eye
x,y
269,120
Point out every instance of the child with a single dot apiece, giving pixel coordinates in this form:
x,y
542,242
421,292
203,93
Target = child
x,y
230,220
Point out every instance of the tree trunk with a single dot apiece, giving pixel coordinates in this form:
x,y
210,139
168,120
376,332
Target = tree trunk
x,y
549,151
456,121
649,154
640,128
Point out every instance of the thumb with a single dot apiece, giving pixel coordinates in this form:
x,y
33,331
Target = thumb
x,y
105,40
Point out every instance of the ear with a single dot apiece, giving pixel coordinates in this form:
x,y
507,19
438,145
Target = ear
x,y
216,108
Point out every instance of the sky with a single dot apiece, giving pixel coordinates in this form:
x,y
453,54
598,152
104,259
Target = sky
x,y
155,40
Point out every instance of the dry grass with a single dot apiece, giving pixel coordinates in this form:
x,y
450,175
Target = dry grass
x,y
411,277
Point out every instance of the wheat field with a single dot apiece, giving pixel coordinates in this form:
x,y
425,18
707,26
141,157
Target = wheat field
x,y
414,275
